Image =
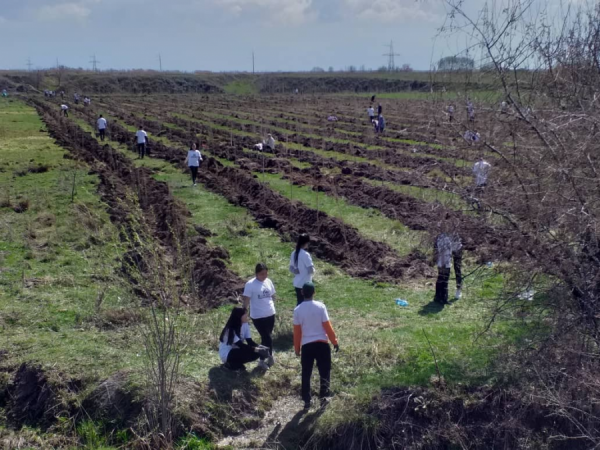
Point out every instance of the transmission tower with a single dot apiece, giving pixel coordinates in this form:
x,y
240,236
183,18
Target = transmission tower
x,y
390,55
94,63
29,64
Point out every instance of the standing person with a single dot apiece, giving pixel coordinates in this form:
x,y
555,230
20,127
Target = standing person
x,y
259,294
481,170
371,113
311,330
270,142
234,353
101,123
65,110
450,113
379,109
194,161
142,140
301,265
76,98
381,121
443,257
470,111
373,98
4,93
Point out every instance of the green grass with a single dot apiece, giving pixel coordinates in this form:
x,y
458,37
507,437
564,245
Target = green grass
x,y
241,87
369,222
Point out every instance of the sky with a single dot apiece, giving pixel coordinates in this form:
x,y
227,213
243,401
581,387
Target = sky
x,y
220,35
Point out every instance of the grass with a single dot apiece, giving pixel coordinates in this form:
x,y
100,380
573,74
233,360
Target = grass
x,y
241,87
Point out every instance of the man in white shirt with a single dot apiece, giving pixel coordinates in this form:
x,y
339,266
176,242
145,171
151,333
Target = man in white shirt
x,y
101,123
450,113
312,328
194,160
141,139
270,142
371,113
481,170
65,110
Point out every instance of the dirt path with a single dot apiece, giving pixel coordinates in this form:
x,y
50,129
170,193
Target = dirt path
x,y
281,429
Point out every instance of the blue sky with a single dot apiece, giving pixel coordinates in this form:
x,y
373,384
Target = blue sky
x,y
219,35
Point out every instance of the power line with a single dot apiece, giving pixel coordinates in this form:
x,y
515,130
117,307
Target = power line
x,y
94,63
29,64
252,62
390,55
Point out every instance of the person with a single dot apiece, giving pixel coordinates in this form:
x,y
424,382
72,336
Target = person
x,y
450,113
259,147
269,142
76,98
312,328
470,111
381,121
65,110
142,140
472,136
379,109
503,108
296,91
332,118
373,98
448,251
234,353
101,127
194,161
87,101
371,113
4,93
62,95
375,123
259,294
301,265
481,170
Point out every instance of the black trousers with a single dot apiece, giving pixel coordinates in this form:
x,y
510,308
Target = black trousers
x,y
102,133
457,260
194,171
441,285
65,113
141,150
299,296
265,328
239,356
320,352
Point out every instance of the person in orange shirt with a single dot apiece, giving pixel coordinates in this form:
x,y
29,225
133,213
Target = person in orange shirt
x,y
311,330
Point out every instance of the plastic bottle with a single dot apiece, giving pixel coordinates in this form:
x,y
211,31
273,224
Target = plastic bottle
x,y
490,264
401,302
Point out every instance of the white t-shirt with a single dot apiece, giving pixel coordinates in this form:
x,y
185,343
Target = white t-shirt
x,y
371,112
261,298
310,315
270,142
141,136
224,349
305,262
194,158
481,169
101,123
64,107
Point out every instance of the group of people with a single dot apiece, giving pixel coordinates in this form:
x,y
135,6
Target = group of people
x,y
451,109
48,93
312,328
378,121
267,144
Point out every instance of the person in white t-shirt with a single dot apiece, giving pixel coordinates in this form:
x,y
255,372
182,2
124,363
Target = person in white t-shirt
x,y
101,123
301,265
371,113
269,142
142,139
481,170
448,250
194,161
234,353
64,109
259,294
450,113
312,328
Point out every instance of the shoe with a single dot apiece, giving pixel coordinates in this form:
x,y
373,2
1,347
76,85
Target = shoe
x,y
263,352
262,365
270,360
458,294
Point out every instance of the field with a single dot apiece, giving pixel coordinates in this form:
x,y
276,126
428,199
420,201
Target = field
x,y
372,204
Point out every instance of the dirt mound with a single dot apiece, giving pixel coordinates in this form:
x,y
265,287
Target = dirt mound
x,y
113,401
425,419
31,398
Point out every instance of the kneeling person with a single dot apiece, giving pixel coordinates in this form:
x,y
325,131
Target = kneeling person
x,y
311,330
232,350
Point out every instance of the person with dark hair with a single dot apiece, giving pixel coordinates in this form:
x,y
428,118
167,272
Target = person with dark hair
x,y
371,113
448,250
301,265
102,127
312,328
232,350
194,161
259,294
379,109
141,139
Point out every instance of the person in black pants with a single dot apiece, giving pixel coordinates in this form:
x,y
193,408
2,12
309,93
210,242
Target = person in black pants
x,y
448,250
312,328
232,349
259,294
141,138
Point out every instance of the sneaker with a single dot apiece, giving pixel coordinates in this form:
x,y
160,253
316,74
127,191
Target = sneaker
x,y
458,294
262,365
263,353
270,360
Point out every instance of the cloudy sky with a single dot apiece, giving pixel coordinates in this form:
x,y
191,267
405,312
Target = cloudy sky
x,y
220,35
